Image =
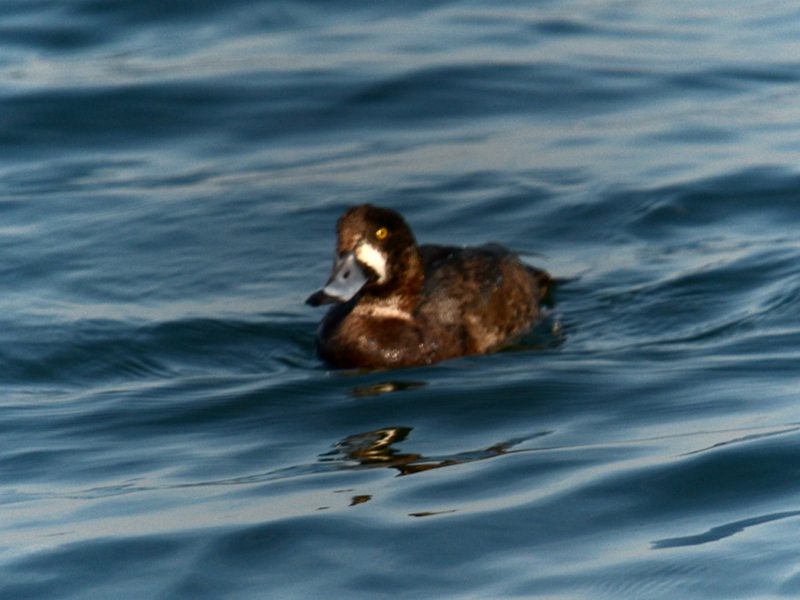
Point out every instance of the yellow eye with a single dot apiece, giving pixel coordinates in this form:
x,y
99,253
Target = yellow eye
x,y
381,233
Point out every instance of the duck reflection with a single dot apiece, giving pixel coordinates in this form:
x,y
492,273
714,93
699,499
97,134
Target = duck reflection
x,y
373,449
368,391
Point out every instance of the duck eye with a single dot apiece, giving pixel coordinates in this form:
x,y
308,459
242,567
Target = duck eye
x,y
382,233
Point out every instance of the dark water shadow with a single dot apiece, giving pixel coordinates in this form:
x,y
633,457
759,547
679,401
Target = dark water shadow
x,y
723,531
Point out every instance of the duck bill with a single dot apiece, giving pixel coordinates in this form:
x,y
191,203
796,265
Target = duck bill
x,y
344,283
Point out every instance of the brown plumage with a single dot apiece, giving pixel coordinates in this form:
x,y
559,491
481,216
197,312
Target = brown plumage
x,y
403,305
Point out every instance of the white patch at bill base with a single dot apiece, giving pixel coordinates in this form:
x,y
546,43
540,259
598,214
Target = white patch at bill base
x,y
369,255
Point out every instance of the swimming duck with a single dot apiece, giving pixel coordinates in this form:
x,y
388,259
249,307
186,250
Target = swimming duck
x,y
397,304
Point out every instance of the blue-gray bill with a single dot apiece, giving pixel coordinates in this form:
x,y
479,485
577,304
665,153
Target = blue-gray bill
x,y
346,279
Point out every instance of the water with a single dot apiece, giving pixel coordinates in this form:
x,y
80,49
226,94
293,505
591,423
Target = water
x,y
171,175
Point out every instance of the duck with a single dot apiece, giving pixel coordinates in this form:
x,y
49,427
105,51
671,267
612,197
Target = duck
x,y
396,304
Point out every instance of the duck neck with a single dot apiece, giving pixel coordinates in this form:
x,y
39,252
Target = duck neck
x,y
406,283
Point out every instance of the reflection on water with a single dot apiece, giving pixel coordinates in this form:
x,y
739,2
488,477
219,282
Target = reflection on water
x,y
376,389
373,449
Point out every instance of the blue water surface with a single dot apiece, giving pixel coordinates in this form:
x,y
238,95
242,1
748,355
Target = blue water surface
x,y
170,179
